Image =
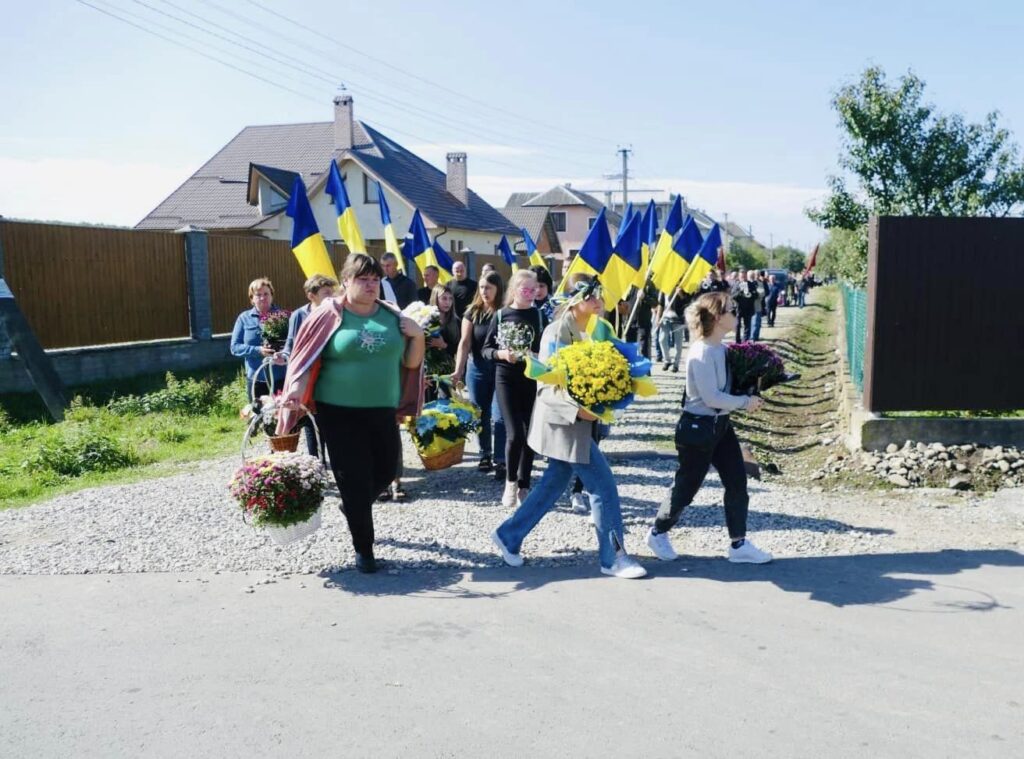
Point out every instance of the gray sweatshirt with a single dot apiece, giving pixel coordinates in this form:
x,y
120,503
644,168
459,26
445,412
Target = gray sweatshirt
x,y
707,377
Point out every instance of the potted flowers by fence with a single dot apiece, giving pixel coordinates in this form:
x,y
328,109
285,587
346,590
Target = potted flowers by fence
x,y
282,493
274,328
602,376
440,431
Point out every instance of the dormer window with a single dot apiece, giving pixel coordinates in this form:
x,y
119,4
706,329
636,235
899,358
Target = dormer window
x,y
271,199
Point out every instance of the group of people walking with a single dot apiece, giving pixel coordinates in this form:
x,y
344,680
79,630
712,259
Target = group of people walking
x,y
354,360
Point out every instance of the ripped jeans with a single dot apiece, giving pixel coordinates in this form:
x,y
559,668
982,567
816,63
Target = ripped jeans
x,y
604,504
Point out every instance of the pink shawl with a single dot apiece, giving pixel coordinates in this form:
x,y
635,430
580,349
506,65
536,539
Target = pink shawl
x,y
304,365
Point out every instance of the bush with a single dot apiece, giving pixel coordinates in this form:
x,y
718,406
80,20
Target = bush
x,y
80,452
233,396
6,425
193,397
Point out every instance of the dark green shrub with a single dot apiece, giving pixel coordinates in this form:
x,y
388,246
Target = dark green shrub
x,y
79,452
193,397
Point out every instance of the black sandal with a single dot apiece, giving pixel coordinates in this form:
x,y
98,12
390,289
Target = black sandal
x,y
397,493
485,464
386,495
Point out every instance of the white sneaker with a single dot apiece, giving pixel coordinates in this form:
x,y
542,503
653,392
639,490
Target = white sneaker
x,y
625,567
512,559
579,503
748,553
661,545
508,498
521,495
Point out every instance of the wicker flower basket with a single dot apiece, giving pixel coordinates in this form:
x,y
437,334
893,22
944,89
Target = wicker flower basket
x,y
446,458
285,443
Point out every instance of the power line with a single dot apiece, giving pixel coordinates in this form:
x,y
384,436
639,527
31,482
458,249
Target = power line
x,y
419,78
323,75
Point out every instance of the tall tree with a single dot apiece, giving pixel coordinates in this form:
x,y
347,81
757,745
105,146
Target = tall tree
x,y
907,158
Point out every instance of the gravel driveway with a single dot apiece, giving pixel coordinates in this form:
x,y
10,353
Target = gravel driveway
x,y
185,522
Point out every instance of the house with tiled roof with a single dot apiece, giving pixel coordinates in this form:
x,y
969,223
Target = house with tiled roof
x,y
538,223
244,188
572,213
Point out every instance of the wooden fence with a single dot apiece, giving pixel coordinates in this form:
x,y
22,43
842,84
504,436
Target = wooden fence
x,y
945,314
93,285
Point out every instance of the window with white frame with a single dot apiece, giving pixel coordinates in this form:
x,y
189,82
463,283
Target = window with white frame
x,y
369,190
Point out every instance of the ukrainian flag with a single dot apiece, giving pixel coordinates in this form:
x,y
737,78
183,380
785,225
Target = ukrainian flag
x,y
505,251
536,259
595,253
418,246
444,263
648,236
703,262
663,256
348,225
681,256
307,242
618,276
390,241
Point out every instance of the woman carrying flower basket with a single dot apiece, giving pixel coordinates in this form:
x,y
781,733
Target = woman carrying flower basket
x,y
705,435
562,430
514,334
348,358
443,345
252,338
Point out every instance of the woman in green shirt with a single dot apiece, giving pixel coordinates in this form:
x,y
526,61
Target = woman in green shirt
x,y
360,345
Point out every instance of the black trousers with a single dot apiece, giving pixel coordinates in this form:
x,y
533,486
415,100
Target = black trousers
x,y
363,445
743,327
727,459
516,395
641,335
773,307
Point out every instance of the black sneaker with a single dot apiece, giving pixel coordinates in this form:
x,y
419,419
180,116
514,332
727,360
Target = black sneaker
x,y
485,464
366,564
667,366
499,471
675,370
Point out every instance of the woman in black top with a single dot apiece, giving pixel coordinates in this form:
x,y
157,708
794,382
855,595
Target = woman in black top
x,y
442,348
516,392
479,371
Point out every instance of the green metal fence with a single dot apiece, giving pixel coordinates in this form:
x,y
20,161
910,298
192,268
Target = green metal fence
x,y
855,306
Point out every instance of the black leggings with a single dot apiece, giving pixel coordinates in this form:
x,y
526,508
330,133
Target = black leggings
x,y
516,395
363,444
727,459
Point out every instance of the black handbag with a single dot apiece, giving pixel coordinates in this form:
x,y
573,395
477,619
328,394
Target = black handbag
x,y
695,431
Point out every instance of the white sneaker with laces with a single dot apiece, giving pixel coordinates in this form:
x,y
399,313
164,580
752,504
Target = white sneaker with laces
x,y
579,503
748,553
661,545
625,567
508,498
512,559
521,495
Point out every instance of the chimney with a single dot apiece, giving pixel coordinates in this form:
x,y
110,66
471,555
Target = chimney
x,y
344,126
455,181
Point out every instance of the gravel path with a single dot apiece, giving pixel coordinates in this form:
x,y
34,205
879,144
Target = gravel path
x,y
185,522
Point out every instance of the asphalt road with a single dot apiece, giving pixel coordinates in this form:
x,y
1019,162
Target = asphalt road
x,y
901,655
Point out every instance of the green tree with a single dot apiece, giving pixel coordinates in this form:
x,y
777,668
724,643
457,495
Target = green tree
x,y
746,254
907,158
790,259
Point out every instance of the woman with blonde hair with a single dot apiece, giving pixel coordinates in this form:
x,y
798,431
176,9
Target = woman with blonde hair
x,y
705,435
564,432
247,341
518,321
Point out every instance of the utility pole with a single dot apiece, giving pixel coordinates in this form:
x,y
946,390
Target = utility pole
x,y
771,251
725,236
624,152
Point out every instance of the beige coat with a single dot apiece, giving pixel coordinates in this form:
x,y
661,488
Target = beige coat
x,y
555,430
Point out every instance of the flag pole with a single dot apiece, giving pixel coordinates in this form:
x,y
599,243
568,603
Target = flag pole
x,y
647,278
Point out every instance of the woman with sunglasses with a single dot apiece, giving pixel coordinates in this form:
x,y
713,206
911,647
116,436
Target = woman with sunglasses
x,y
564,432
705,435
516,392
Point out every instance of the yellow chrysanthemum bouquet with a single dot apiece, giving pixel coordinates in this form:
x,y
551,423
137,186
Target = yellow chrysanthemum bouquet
x,y
602,376
440,432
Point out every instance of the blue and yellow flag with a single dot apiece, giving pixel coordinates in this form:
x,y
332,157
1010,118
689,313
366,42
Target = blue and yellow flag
x,y
621,271
390,241
417,244
648,236
348,225
505,251
593,256
307,242
703,262
444,263
677,261
536,259
663,257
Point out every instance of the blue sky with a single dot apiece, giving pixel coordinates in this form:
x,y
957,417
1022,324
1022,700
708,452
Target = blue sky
x,y
726,102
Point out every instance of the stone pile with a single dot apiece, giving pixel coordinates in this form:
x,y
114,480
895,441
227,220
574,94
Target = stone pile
x,y
959,467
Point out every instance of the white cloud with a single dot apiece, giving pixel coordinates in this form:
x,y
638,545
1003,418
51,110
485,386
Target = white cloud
x,y
85,190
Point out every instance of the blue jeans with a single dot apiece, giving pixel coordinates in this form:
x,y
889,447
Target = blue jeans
x,y
755,328
801,298
480,381
604,503
672,333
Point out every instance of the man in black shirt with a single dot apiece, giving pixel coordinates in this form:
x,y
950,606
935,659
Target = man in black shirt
x,y
463,288
429,280
405,288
